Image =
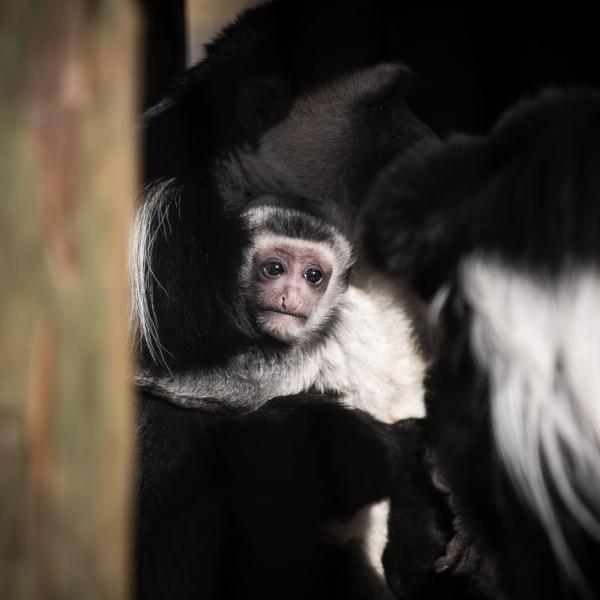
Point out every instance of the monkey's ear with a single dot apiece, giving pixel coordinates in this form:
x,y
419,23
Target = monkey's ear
x,y
261,103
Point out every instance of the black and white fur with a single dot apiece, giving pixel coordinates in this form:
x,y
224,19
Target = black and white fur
x,y
502,234
323,148
358,344
239,125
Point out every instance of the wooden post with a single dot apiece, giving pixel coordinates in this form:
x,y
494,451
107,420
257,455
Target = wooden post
x,y
68,180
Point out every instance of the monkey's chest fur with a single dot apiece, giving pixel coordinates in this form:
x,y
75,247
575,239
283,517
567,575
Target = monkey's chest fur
x,y
369,360
372,359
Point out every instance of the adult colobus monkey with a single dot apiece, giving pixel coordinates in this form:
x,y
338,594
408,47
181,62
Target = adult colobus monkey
x,y
502,235
318,146
239,125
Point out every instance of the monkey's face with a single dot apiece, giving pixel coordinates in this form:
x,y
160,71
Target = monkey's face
x,y
288,283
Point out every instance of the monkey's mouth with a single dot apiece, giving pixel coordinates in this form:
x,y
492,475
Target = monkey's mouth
x,y
296,315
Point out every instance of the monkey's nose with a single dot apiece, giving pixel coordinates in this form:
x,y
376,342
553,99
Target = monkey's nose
x,y
290,300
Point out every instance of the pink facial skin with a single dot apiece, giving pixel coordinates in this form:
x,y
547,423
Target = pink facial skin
x,y
288,281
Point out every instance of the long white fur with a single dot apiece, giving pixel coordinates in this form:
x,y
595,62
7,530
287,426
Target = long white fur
x,y
539,342
151,220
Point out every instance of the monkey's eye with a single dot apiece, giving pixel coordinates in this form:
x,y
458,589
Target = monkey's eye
x,y
313,276
273,269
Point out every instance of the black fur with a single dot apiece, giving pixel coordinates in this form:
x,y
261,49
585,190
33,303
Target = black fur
x,y
529,195
240,507
199,118
430,553
248,82
510,193
471,61
196,247
237,507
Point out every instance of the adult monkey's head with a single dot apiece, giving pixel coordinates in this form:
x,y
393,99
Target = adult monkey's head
x,y
259,115
256,116
333,139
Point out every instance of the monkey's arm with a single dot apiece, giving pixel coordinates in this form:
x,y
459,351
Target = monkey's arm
x,y
218,389
241,497
246,384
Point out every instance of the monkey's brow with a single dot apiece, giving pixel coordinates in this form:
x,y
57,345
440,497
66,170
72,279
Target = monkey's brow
x,y
298,253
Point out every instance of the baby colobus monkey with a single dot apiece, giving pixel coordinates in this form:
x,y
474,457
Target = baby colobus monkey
x,y
317,331
294,274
